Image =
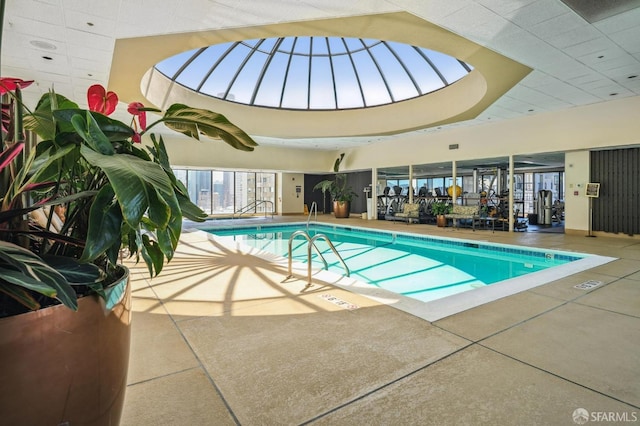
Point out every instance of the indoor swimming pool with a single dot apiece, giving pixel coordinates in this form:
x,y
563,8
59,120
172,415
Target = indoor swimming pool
x,y
422,268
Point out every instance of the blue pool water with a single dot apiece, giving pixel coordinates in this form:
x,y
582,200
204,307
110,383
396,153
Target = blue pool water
x,y
421,267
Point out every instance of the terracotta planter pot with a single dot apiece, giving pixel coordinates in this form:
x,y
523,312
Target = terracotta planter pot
x,y
62,366
341,209
441,221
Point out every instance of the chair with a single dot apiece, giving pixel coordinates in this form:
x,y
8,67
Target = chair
x,y
409,212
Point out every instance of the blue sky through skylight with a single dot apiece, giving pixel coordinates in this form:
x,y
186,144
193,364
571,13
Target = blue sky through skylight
x,y
313,73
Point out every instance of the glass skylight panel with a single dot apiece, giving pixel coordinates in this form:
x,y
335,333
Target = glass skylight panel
x,y
450,67
373,86
337,46
245,84
296,87
395,74
320,46
316,73
322,91
171,65
270,90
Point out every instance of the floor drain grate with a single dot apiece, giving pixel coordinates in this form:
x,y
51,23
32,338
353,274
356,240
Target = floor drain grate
x,y
588,285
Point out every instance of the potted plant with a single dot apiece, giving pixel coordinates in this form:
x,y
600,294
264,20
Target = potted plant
x,y
64,296
440,208
341,193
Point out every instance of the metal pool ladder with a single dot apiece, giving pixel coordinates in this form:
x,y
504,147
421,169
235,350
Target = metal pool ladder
x,y
311,243
312,210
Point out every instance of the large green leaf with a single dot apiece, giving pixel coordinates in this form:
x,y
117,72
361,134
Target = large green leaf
x,y
189,209
105,222
41,121
21,267
194,121
87,127
114,130
75,272
20,294
138,185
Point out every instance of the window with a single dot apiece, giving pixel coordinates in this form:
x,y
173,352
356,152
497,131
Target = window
x,y
219,192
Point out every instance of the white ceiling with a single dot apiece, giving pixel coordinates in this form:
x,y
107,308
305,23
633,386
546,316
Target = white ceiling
x,y
574,62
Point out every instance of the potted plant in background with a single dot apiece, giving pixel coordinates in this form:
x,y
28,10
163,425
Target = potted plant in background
x,y
439,208
64,296
341,193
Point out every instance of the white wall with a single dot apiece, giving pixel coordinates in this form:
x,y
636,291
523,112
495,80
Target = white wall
x,y
576,203
290,201
207,153
575,131
606,124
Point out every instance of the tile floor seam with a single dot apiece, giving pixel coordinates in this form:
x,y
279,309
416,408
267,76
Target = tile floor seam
x,y
559,376
479,341
162,376
198,360
385,385
606,310
206,372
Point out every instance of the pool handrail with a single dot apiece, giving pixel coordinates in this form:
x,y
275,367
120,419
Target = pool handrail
x,y
254,205
314,208
310,243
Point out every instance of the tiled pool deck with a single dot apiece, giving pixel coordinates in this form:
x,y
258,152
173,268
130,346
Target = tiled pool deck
x,y
221,338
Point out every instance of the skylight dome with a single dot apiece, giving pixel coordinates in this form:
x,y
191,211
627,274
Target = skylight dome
x,y
313,73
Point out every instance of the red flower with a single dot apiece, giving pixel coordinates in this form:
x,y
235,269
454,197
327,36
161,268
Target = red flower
x,y
9,84
100,100
135,108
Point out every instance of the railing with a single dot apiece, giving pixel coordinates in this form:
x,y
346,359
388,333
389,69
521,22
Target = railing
x,y
314,208
311,243
254,206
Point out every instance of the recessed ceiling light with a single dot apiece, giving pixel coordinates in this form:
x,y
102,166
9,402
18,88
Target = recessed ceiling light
x,y
43,45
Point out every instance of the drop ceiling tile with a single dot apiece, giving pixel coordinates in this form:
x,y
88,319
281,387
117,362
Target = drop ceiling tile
x,y
29,27
590,78
505,6
536,13
471,15
432,11
591,47
620,22
628,39
557,25
102,8
614,63
34,10
101,43
622,73
574,37
486,32
85,22
631,84
497,110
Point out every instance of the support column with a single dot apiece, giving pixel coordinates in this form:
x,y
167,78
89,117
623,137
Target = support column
x,y
374,194
510,184
410,183
454,172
